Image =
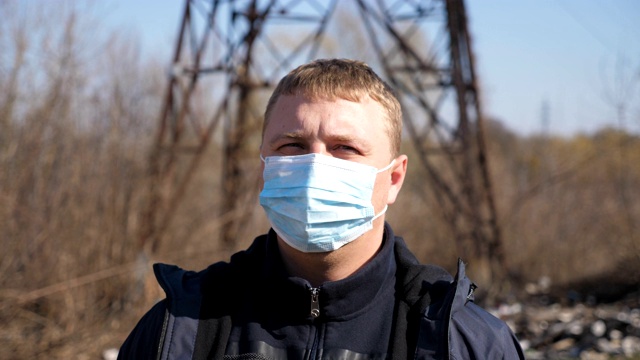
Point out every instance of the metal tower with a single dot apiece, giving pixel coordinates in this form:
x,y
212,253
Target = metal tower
x,y
243,47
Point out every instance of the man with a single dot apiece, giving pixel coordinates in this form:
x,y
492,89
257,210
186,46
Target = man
x,y
330,280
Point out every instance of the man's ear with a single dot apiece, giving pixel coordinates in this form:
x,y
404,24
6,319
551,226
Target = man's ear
x,y
398,173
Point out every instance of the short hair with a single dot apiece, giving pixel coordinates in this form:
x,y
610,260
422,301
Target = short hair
x,y
351,80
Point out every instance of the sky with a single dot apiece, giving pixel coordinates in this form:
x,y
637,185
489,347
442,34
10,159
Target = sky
x,y
544,66
551,65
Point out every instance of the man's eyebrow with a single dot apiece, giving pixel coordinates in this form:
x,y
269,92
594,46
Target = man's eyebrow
x,y
344,138
300,135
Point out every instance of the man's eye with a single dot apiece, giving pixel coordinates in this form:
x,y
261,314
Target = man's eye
x,y
346,148
289,145
292,148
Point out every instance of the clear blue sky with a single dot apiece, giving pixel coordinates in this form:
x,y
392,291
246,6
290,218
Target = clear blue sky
x,y
562,52
560,55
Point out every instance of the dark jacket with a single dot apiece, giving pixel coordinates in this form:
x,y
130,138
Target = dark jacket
x,y
250,309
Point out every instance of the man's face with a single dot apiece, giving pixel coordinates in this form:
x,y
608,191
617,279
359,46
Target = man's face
x,y
347,130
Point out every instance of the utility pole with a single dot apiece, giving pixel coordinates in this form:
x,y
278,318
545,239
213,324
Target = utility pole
x,y
239,43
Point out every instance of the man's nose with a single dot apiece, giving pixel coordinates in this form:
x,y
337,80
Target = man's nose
x,y
318,147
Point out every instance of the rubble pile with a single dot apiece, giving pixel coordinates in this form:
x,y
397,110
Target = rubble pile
x,y
581,331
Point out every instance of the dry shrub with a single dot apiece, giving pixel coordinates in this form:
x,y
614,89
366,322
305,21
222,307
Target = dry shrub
x,y
569,206
71,164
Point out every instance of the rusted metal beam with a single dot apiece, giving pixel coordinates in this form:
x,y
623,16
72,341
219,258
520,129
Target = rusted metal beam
x,y
432,70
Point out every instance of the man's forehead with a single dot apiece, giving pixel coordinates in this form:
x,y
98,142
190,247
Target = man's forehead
x,y
300,117
294,114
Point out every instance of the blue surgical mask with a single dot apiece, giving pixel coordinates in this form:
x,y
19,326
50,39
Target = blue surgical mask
x,y
318,203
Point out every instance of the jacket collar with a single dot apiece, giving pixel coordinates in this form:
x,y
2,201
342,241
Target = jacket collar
x,y
338,300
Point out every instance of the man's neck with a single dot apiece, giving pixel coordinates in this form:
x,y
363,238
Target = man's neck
x,y
318,268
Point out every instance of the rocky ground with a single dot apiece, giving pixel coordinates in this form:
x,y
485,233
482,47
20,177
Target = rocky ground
x,y
573,327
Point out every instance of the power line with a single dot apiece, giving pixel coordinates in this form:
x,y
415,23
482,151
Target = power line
x,y
596,34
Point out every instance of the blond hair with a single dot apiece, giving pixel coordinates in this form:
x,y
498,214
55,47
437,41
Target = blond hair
x,y
351,80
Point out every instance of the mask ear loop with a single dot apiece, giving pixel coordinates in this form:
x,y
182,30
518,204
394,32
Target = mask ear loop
x,y
387,167
386,206
380,213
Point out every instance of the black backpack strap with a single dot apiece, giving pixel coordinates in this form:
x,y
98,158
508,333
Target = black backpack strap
x,y
222,285
434,339
433,332
419,318
180,325
215,324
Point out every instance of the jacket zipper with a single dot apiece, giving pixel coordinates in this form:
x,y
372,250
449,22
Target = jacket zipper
x,y
315,304
315,312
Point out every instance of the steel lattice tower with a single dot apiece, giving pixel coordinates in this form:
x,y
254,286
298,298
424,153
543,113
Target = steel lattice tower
x,y
244,47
